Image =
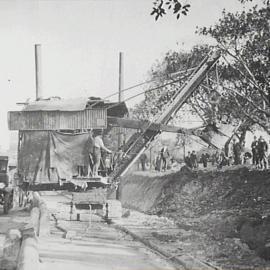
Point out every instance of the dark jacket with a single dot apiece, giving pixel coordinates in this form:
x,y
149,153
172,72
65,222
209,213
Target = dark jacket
x,y
262,147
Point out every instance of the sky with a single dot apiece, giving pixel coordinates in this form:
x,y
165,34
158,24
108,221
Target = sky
x,y
81,41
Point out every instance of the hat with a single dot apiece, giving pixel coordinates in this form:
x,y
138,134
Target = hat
x,y
97,132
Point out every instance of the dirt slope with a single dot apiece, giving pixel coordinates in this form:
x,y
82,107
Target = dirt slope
x,y
226,211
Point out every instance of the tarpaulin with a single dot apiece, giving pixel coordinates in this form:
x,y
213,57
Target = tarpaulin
x,y
47,156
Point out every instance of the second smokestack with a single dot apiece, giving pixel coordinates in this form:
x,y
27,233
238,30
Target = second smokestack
x,y
38,72
121,76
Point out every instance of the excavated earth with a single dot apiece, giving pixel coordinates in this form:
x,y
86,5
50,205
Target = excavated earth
x,y
223,215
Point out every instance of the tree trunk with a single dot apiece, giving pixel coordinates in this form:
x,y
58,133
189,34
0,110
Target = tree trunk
x,y
243,135
226,147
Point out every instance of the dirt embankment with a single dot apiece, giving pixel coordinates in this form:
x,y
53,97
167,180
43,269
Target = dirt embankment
x,y
226,211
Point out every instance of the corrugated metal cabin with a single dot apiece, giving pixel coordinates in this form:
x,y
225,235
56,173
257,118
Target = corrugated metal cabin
x,y
65,114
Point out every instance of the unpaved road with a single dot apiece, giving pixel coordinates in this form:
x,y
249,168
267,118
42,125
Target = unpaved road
x,y
99,246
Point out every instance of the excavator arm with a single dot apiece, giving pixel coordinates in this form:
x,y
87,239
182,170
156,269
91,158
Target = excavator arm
x,y
140,141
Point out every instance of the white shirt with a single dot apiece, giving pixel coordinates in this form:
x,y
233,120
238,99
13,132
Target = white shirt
x,y
98,142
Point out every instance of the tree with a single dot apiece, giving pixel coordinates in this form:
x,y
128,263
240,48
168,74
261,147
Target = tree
x,y
167,76
177,7
244,38
168,79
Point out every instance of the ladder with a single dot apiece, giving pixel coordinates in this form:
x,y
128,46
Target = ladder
x,y
141,140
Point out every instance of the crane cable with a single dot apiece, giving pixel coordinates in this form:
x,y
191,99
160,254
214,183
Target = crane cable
x,y
149,90
146,82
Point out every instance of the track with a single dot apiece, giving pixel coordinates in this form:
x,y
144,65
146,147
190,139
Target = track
x,y
111,239
94,245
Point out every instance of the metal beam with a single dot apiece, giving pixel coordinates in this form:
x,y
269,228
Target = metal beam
x,y
144,124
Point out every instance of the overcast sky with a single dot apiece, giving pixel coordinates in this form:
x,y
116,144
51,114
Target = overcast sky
x,y
81,41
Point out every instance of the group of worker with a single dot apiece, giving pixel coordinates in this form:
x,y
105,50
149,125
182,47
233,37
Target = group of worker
x,y
259,148
238,155
258,155
191,160
160,162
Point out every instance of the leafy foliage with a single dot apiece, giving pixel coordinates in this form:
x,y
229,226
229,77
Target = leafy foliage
x,y
244,38
241,78
167,81
177,7
199,103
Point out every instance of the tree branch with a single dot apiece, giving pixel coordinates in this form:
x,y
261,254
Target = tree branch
x,y
252,81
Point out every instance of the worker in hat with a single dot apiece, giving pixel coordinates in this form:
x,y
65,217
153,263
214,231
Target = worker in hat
x,y
98,145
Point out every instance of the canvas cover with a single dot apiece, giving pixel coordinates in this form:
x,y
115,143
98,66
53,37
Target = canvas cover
x,y
47,156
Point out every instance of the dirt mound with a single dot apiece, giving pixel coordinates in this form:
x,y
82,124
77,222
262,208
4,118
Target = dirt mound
x,y
142,190
227,207
194,193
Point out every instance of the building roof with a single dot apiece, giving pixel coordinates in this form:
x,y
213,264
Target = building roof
x,y
57,104
77,104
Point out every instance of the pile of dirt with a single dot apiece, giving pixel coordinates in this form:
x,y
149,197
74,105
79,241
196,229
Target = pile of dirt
x,y
195,193
141,190
227,211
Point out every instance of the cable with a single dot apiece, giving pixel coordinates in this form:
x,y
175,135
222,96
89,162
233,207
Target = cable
x,y
149,90
146,82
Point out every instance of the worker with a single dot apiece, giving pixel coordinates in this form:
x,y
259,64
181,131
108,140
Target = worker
x,y
262,153
164,155
143,159
193,160
98,145
157,162
237,151
254,148
187,160
204,159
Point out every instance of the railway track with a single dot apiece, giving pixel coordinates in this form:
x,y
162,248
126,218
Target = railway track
x,y
91,246
114,234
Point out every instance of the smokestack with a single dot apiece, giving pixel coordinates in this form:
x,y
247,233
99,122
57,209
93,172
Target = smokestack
x,y
121,76
120,94
38,71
